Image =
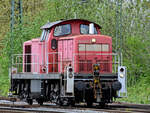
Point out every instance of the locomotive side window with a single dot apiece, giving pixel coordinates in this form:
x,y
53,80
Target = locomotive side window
x,y
62,30
54,44
84,29
27,59
44,35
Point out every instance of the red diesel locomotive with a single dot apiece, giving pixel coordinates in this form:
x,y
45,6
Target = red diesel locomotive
x,y
70,63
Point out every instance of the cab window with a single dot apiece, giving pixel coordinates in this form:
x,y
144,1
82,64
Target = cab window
x,y
62,30
44,35
84,29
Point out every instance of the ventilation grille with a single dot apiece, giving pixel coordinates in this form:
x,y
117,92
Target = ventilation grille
x,y
104,65
85,65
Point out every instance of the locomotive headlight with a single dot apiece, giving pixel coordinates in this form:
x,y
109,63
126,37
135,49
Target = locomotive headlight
x,y
93,40
121,75
70,72
70,75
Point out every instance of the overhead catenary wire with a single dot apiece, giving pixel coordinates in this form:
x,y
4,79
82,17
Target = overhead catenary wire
x,y
15,11
119,38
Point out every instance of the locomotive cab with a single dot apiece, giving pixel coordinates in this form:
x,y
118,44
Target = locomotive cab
x,y
71,62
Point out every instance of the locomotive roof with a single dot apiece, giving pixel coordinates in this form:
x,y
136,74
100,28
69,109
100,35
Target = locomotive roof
x,y
51,24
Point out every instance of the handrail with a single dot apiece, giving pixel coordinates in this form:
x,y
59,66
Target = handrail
x,y
18,61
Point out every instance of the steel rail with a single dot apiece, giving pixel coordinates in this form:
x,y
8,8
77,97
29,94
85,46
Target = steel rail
x,y
48,107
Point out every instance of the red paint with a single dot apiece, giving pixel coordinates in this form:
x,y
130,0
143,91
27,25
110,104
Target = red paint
x,y
68,52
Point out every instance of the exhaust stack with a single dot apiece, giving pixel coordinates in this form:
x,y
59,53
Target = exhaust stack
x,y
91,28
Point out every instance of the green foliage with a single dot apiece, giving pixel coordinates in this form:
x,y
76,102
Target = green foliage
x,y
139,93
136,59
4,81
28,30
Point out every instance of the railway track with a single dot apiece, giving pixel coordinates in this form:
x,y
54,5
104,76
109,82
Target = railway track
x,y
7,106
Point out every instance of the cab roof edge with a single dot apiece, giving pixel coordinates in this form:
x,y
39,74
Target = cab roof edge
x,y
49,25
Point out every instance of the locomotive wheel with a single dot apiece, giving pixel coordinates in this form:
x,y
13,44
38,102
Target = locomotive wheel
x,y
66,102
72,102
60,103
30,101
89,103
40,101
102,104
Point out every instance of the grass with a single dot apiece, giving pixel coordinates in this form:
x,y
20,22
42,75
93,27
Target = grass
x,y
139,93
4,79
4,85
